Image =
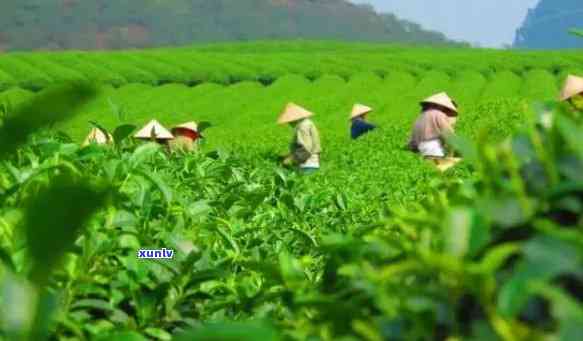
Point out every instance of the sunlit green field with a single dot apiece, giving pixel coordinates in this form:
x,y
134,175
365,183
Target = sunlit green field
x,y
377,245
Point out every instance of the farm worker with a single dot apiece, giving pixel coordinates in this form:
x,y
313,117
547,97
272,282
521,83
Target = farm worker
x,y
186,136
154,131
436,122
360,126
305,147
98,136
572,94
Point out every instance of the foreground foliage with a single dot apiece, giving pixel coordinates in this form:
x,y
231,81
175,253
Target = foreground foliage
x,y
491,250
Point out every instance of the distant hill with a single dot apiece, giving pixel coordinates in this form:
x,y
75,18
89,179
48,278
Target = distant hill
x,y
548,24
106,24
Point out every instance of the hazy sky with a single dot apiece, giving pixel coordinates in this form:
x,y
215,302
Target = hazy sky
x,y
490,23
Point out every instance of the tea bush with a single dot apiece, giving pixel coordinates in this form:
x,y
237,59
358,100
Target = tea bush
x,y
266,61
348,253
377,245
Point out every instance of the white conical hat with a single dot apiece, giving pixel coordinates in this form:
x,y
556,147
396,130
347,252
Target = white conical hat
x,y
359,110
573,86
442,99
154,130
292,113
188,125
97,136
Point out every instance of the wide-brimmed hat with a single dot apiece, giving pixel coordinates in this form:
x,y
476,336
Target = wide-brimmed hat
x,y
154,130
292,113
442,99
97,136
573,86
192,126
359,110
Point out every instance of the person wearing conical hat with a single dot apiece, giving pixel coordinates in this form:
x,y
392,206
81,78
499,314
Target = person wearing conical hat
x,y
573,91
97,136
359,125
436,122
154,131
186,136
305,147
571,94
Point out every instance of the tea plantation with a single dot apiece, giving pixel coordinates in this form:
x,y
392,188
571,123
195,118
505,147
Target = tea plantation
x,y
378,245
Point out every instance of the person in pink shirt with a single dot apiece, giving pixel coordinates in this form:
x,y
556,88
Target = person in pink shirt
x,y
430,131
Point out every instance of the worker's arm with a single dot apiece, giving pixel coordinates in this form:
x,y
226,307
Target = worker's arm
x,y
287,160
444,126
446,130
369,126
304,138
315,138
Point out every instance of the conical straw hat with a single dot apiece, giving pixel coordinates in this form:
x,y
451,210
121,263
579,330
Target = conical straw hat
x,y
97,136
188,125
154,130
359,110
292,113
573,86
441,99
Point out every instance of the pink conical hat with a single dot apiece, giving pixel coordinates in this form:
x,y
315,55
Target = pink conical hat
x,y
292,113
359,110
154,130
573,86
443,100
97,136
192,126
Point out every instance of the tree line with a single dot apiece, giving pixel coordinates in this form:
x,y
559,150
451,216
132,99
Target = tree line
x,y
102,24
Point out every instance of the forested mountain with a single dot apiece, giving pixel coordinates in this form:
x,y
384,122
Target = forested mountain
x,y
548,24
112,24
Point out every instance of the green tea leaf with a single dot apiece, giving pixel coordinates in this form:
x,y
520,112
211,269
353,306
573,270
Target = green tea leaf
x,y
53,105
143,153
54,219
159,183
565,308
571,133
121,336
496,257
19,303
158,333
93,304
204,125
250,331
122,132
464,233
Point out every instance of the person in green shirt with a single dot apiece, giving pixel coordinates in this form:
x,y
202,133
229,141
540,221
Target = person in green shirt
x,y
305,147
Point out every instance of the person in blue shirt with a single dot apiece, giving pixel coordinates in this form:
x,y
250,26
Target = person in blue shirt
x,y
359,125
